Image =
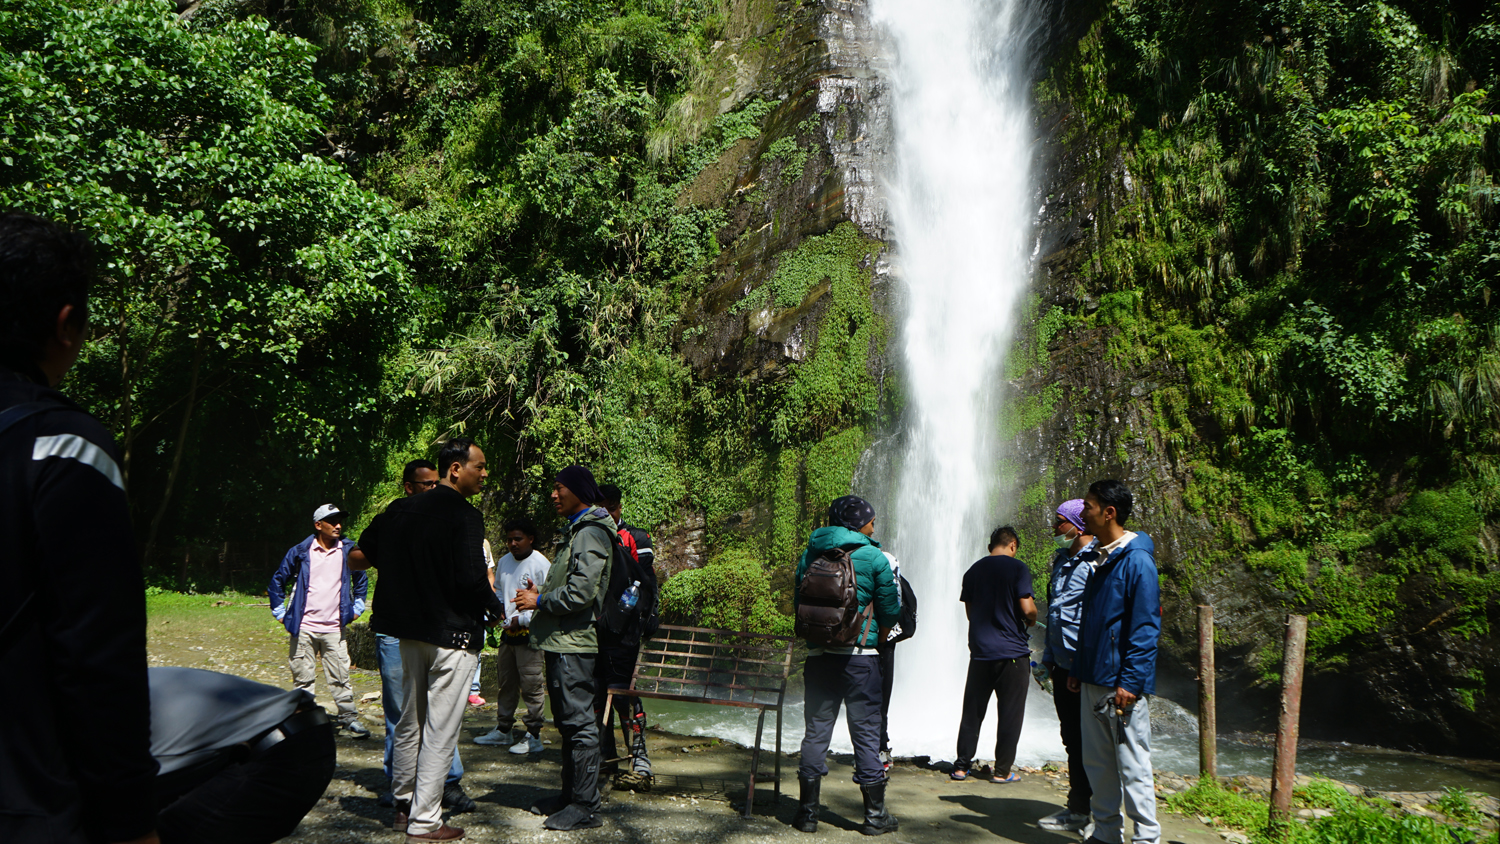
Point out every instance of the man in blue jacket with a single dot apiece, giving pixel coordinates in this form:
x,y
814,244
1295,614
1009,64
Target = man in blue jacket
x,y
326,598
848,675
1115,668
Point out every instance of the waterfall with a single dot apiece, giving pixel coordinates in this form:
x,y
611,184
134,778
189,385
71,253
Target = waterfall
x,y
961,209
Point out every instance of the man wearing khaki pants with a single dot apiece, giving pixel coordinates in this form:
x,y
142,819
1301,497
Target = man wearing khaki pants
x,y
434,597
326,598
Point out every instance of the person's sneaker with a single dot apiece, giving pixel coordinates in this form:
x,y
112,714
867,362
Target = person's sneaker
x,y
442,833
1064,820
476,700
456,801
494,738
1088,830
529,744
403,809
572,817
355,729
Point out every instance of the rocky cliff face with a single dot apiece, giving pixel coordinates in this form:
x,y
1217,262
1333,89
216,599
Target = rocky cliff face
x,y
1403,685
1078,412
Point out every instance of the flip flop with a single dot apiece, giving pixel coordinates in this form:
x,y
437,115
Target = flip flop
x,y
959,774
1010,777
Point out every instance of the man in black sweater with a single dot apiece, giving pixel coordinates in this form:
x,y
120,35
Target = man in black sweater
x,y
73,613
434,596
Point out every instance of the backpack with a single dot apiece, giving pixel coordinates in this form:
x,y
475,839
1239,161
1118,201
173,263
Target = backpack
x,y
828,612
614,624
908,620
650,615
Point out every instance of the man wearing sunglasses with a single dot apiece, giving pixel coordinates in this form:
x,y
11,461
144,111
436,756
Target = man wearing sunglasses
x,y
326,598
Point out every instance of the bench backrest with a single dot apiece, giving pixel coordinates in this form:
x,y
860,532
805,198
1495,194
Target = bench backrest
x,y
705,665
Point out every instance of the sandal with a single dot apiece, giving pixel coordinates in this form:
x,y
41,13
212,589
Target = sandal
x,y
1010,777
959,774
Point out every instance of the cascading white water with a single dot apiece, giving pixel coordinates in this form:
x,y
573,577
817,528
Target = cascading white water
x,y
960,200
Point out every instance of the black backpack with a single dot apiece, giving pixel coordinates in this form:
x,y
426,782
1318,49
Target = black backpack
x,y
828,611
615,625
908,611
650,615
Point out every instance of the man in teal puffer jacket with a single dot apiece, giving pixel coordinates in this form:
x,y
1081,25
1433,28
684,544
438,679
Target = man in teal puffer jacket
x,y
848,675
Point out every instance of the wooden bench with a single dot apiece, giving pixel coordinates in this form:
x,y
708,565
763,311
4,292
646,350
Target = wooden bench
x,y
721,667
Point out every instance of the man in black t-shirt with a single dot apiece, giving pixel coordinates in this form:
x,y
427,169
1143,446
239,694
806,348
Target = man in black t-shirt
x,y
998,600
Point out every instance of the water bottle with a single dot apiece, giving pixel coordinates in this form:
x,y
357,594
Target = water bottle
x,y
1043,679
629,598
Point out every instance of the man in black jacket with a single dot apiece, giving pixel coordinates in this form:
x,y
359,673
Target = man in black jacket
x,y
73,613
434,596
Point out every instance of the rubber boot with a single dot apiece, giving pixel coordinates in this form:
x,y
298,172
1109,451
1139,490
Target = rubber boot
x,y
807,804
877,820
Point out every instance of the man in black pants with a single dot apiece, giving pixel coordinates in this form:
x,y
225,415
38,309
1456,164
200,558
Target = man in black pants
x,y
1077,555
618,653
563,629
998,599
241,762
73,611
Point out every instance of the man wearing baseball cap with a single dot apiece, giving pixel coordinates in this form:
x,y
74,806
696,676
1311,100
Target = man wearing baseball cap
x,y
326,598
1076,556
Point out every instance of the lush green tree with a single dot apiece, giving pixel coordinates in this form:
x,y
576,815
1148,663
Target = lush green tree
x,y
252,294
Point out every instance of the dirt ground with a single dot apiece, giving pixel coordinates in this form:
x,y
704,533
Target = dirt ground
x,y
700,783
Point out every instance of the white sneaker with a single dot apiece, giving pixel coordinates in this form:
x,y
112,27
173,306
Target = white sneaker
x,y
1064,820
493,738
1088,830
526,745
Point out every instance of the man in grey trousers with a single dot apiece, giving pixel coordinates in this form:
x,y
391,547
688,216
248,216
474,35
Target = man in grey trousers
x,y
1115,669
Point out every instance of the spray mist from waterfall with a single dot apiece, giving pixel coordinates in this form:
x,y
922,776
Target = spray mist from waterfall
x,y
960,199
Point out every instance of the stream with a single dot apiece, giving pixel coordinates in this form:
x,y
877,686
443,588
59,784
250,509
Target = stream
x,y
1174,749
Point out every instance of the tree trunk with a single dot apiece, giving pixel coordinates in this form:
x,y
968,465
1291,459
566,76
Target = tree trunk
x,y
187,416
127,423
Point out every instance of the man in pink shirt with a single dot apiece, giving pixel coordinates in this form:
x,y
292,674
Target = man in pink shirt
x,y
326,598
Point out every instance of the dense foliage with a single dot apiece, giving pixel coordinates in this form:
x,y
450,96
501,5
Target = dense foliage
x,y
1305,231
339,230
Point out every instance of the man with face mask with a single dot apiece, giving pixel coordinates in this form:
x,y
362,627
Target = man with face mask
x,y
1077,555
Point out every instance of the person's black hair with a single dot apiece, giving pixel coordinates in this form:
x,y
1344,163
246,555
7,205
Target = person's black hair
x,y
1004,535
611,493
409,474
42,268
1112,493
453,451
521,524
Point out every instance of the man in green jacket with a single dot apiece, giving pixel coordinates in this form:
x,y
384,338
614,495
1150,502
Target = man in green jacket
x,y
566,606
848,675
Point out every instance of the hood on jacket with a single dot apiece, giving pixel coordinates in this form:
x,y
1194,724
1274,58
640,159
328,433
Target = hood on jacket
x,y
835,536
1141,542
593,514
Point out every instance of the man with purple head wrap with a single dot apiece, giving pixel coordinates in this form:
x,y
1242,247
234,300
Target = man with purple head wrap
x,y
1077,555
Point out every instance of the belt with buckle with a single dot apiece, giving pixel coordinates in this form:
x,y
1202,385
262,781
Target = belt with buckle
x,y
286,729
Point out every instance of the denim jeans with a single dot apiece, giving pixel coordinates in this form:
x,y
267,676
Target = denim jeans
x,y
388,655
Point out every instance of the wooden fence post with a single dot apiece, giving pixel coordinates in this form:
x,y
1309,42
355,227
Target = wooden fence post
x,y
1208,722
1284,768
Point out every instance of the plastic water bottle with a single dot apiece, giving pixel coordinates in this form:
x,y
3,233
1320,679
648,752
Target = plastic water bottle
x,y
630,596
1043,679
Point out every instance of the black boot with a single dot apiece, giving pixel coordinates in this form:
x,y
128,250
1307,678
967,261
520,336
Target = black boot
x,y
877,820
807,804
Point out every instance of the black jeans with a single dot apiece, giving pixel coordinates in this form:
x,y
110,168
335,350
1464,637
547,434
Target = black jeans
x,y
1068,715
887,682
854,681
571,686
615,668
1006,679
253,802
